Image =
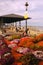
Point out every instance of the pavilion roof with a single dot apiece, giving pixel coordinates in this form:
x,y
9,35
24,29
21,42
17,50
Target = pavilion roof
x,y
12,18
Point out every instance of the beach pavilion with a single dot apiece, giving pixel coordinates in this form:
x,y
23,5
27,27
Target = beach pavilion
x,y
10,18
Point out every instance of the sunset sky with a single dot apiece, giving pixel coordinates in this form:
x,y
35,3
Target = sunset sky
x,y
35,10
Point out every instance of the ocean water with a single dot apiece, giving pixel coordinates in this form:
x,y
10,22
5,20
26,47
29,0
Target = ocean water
x,y
39,27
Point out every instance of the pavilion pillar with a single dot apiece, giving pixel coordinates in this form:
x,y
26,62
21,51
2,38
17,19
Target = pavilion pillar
x,y
19,24
1,24
16,25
